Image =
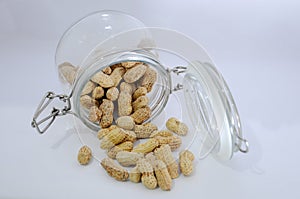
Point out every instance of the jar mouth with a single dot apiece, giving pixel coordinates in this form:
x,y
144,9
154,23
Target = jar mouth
x,y
158,97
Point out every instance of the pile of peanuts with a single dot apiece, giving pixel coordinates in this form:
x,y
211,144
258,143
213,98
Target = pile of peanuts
x,y
123,88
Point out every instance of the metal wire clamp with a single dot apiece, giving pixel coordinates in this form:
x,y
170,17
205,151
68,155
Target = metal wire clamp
x,y
46,100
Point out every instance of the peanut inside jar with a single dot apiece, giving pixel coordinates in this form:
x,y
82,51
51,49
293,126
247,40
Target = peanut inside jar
x,y
106,91
117,91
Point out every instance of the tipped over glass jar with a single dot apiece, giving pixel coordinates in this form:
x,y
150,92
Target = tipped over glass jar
x,y
187,84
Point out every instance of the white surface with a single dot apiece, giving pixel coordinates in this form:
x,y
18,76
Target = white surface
x,y
256,46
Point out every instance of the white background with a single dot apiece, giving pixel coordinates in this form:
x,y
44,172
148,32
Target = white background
x,y
256,46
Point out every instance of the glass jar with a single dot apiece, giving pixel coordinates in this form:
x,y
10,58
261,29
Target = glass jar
x,y
188,85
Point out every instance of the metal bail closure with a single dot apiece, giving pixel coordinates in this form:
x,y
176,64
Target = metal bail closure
x,y
177,70
47,99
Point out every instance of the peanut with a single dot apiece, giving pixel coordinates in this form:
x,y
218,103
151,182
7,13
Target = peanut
x,y
135,175
144,130
116,75
164,153
112,94
68,72
141,115
173,141
106,120
114,170
127,159
129,64
148,178
149,79
104,131
186,159
129,135
163,177
146,147
135,73
107,108
105,81
87,102
95,114
141,91
140,103
113,67
84,155
151,158
98,93
126,87
124,104
125,122
107,70
176,126
124,146
88,88
114,137
163,133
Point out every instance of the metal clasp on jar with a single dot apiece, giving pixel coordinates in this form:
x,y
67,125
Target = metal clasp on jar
x,y
177,70
45,102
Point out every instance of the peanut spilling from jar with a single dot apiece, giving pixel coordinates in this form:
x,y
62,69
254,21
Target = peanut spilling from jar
x,y
186,162
84,155
116,99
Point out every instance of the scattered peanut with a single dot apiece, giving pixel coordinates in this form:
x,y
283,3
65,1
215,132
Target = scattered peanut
x,y
164,153
103,80
125,122
163,177
95,114
148,178
113,138
114,170
135,175
176,126
127,159
163,133
84,155
129,135
149,79
146,147
173,141
144,130
104,131
141,115
124,146
112,94
151,158
186,162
